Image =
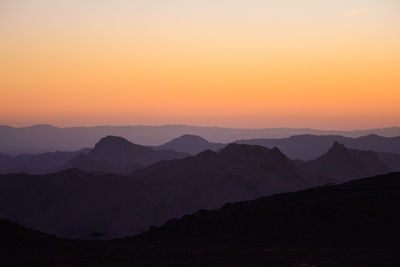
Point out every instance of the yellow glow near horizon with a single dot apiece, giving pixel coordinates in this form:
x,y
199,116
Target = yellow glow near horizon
x,y
303,63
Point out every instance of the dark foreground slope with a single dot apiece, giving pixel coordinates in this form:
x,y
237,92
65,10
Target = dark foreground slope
x,y
362,213
354,224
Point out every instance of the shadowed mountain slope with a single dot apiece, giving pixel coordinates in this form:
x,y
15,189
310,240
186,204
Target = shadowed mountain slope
x,y
118,155
390,159
237,171
74,204
341,164
190,144
362,213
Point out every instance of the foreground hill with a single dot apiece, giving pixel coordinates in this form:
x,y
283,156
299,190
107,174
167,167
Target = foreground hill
x,y
190,144
362,213
353,224
341,164
74,203
308,147
118,155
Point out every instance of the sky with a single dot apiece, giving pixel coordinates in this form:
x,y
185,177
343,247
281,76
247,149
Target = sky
x,y
234,63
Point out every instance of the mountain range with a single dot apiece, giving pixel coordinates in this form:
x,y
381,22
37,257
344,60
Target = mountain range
x,y
47,138
74,203
308,147
117,155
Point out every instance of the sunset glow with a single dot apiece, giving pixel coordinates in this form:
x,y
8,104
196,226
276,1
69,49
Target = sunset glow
x,y
298,63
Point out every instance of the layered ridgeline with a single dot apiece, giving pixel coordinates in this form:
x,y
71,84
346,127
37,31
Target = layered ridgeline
x,y
45,138
73,203
308,147
118,155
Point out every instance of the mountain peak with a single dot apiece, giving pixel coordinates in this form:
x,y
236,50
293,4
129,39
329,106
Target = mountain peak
x,y
190,138
192,144
253,150
112,142
115,145
113,139
337,147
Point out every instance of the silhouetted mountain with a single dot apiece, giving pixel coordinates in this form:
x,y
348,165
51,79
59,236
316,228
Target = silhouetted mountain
x,y
358,214
211,179
118,155
36,164
340,164
46,138
73,203
191,144
307,147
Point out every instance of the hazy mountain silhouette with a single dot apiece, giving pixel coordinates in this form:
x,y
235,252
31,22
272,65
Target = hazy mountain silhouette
x,y
73,203
47,138
36,164
340,164
118,155
307,147
191,144
362,214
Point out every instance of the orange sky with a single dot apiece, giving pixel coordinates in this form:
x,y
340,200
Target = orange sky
x,y
238,63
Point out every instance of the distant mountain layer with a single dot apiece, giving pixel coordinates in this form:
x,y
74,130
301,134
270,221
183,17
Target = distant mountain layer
x,y
358,214
45,138
118,155
307,147
36,164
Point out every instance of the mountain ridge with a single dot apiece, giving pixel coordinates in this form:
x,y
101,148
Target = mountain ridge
x,y
47,138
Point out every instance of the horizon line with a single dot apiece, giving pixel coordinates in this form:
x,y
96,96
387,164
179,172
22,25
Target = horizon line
x,y
200,126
